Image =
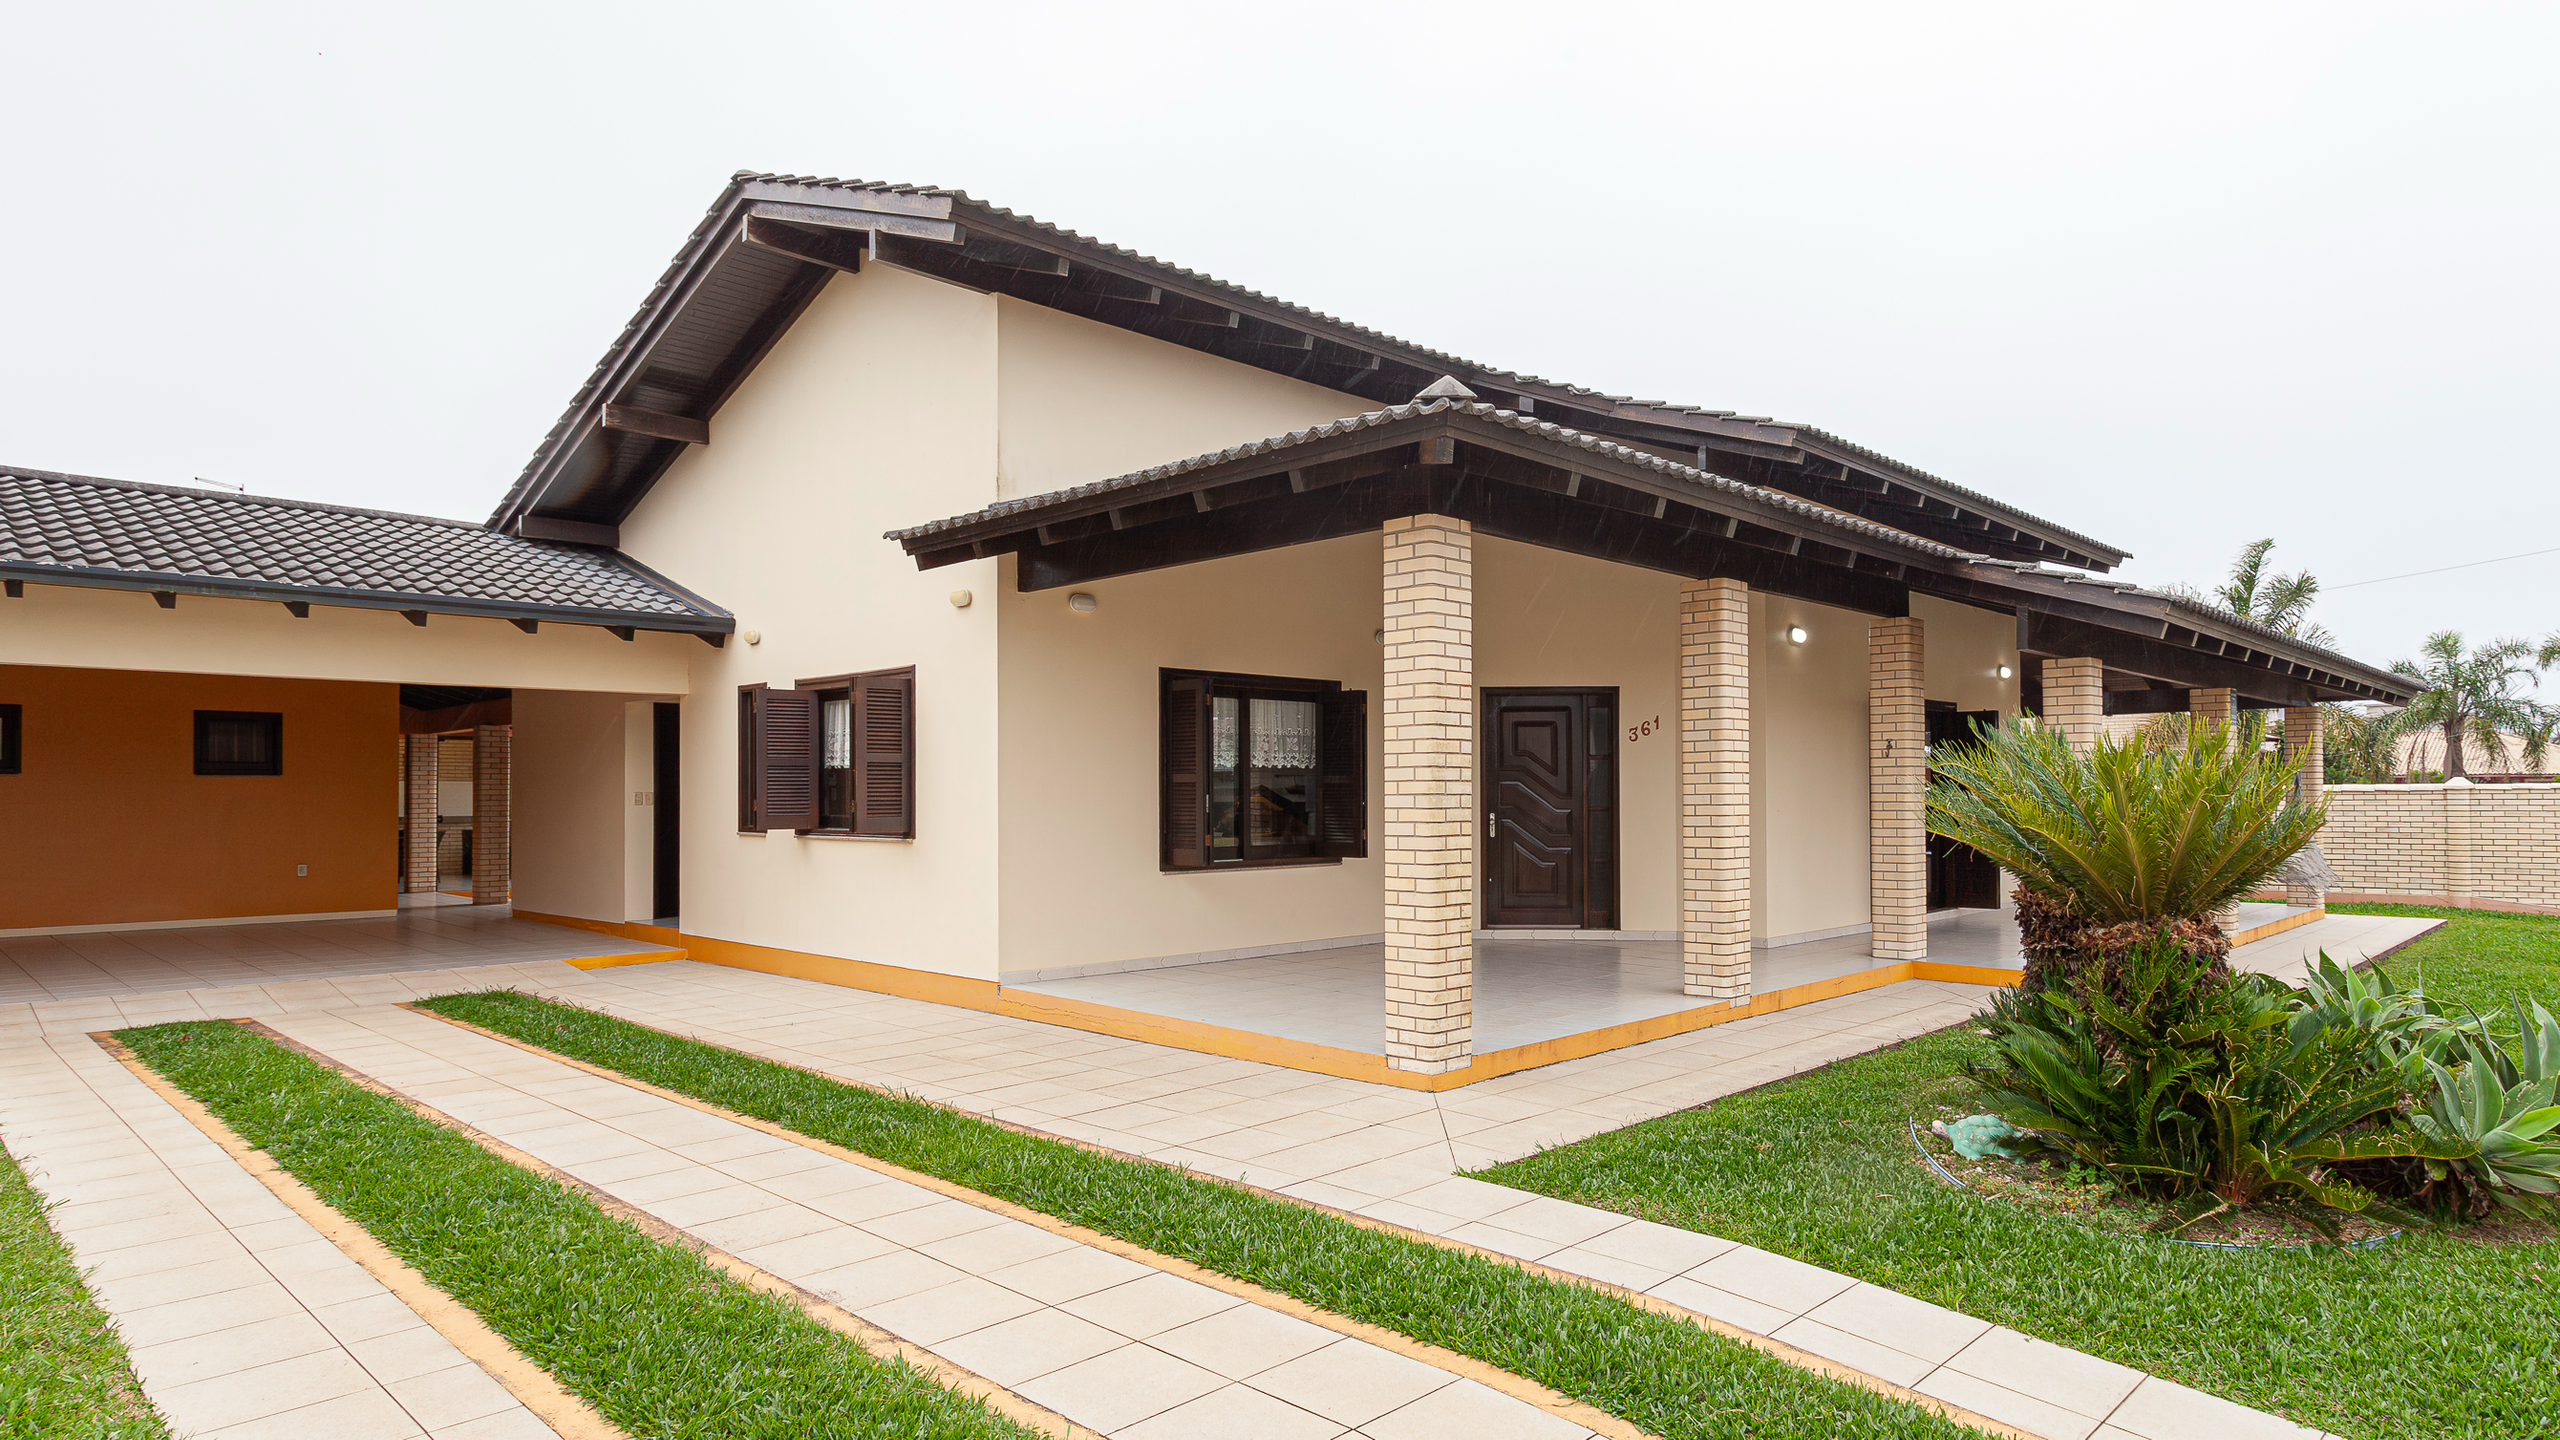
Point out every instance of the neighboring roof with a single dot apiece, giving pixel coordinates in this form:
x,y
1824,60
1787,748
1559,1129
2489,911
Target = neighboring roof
x,y
1705,481
81,530
770,241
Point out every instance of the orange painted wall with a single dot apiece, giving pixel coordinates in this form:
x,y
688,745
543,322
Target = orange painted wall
x,y
108,823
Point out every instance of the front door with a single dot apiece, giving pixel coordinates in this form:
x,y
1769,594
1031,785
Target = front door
x,y
1551,812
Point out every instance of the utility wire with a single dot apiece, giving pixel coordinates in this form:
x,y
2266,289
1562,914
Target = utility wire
x,y
2465,565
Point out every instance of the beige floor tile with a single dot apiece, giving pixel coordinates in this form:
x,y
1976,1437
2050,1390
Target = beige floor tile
x,y
1243,1341
1029,1345
1888,1317
940,1219
1351,1383
452,1395
1115,1390
2056,1374
1150,1305
238,1396
1230,1412
1069,1274
2036,1417
2161,1410
1470,1411
363,1415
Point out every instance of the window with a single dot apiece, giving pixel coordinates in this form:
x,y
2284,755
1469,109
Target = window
x,y
239,742
9,721
1260,770
829,757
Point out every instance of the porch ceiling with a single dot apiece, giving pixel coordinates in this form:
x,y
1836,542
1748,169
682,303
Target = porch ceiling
x,y
1517,478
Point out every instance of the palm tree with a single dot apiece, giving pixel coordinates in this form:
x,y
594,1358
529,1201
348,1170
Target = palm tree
x,y
2474,696
2282,603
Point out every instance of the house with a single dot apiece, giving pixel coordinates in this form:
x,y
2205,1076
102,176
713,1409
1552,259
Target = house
x,y
924,598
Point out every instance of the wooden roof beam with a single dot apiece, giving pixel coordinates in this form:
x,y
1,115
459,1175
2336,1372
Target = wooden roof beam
x,y
632,420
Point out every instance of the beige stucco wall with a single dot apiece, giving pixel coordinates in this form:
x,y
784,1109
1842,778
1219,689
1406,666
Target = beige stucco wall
x,y
1808,768
127,630
570,842
1544,617
1079,401
1965,648
877,410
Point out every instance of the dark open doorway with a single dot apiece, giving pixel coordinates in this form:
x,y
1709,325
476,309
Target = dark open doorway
x,y
1960,877
666,733
1551,808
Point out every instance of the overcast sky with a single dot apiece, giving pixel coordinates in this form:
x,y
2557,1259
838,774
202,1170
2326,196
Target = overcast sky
x,y
2177,277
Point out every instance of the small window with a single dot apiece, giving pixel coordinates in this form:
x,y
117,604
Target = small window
x,y
1260,770
9,719
831,756
239,742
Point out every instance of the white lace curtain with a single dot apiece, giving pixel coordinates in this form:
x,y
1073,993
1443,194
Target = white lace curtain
x,y
1284,734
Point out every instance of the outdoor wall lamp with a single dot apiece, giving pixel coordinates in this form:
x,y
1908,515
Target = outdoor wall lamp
x,y
1081,603
2006,672
1795,635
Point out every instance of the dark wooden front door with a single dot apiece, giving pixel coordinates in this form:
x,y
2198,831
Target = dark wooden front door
x,y
1551,808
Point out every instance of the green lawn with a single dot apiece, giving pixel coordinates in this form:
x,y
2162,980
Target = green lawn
x,y
1664,1374
63,1372
651,1335
2428,1337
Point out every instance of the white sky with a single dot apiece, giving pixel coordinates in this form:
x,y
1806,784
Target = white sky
x,y
2175,276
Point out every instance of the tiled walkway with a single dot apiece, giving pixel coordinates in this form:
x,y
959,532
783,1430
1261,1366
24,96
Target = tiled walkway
x,y
1106,1341
86,1131
428,936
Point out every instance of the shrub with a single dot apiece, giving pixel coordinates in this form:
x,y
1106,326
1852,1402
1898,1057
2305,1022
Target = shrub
x,y
2211,1092
2121,845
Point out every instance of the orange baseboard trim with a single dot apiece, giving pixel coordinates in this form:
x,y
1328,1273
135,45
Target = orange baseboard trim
x,y
1203,1037
607,962
2278,927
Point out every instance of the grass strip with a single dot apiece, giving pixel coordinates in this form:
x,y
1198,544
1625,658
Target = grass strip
x,y
1655,1371
2431,1337
651,1335
64,1374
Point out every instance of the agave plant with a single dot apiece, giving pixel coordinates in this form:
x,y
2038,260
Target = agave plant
x,y
2401,1026
2499,1129
2123,832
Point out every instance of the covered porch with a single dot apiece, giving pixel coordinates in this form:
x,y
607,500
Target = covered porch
x,y
1453,987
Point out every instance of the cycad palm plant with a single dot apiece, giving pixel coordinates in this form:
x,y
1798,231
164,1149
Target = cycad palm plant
x,y
2122,843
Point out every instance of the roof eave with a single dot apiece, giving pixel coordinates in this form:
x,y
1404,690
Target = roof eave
x,y
229,588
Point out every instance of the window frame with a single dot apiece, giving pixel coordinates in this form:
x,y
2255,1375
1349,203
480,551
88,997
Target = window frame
x,y
822,688
1329,696
272,721
13,724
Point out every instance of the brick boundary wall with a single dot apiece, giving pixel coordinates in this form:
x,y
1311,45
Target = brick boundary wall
x,y
2446,844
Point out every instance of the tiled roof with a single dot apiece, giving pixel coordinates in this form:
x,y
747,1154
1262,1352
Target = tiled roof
x,y
121,531
1704,480
720,208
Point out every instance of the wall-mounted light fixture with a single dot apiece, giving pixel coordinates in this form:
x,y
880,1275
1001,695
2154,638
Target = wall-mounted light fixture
x,y
755,637
960,599
2006,672
1795,635
1081,603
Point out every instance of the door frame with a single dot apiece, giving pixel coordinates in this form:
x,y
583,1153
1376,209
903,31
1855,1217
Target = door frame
x,y
1600,891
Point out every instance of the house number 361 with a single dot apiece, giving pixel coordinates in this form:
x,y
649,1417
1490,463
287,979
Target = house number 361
x,y
1638,732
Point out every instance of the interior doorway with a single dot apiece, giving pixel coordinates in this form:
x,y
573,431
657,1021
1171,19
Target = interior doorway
x,y
665,852
1960,877
1551,808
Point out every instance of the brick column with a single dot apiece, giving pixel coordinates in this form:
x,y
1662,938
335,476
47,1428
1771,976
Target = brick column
x,y
1715,790
418,776
1430,832
2075,700
2303,741
492,814
2212,707
1897,777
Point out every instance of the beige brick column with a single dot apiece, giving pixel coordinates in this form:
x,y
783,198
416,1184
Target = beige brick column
x,y
1715,790
2212,707
2075,700
1897,777
1431,821
2303,741
418,777
492,814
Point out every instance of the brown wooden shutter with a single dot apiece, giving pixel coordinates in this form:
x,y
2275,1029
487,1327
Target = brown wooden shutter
x,y
1345,831
747,818
1185,748
884,754
786,733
